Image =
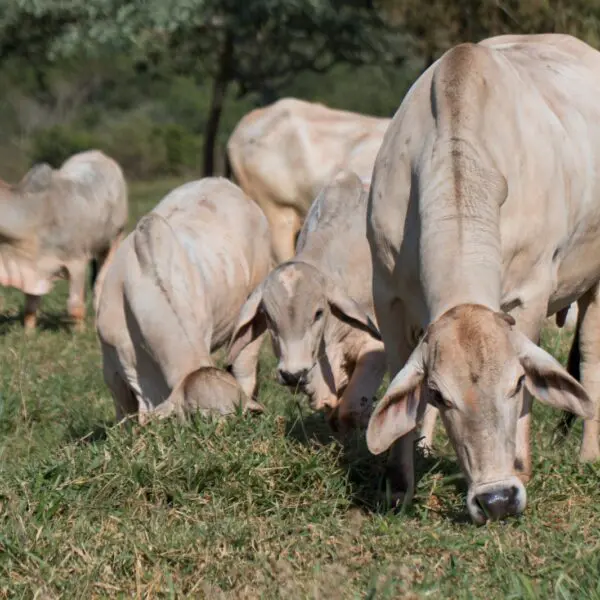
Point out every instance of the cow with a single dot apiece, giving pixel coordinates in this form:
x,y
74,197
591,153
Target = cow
x,y
483,220
54,221
171,298
283,154
318,308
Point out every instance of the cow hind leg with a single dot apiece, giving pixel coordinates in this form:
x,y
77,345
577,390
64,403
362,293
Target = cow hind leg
x,y
32,304
102,263
285,224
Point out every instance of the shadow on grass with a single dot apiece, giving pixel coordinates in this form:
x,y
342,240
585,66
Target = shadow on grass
x,y
88,434
45,322
367,473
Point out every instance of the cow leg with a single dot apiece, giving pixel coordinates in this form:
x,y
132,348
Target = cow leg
x,y
529,318
124,399
428,428
400,470
284,223
589,347
32,304
356,403
245,367
103,261
574,369
76,300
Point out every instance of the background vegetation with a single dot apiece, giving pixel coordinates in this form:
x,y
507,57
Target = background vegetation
x,y
270,507
160,84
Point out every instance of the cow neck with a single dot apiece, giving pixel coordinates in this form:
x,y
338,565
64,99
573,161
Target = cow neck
x,y
460,250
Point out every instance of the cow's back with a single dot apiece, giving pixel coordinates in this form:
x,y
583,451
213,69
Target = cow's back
x,y
333,237
226,237
99,194
283,154
518,109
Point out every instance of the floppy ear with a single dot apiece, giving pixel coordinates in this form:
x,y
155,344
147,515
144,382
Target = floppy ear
x,y
402,406
347,310
250,324
549,382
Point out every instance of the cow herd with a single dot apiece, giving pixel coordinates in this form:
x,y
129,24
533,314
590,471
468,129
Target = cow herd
x,y
432,246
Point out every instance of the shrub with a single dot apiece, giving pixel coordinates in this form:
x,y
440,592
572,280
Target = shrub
x,y
142,147
55,144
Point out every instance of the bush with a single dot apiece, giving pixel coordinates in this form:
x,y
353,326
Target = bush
x,y
143,148
55,144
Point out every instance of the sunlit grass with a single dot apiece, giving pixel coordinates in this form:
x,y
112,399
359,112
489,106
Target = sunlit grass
x,y
255,507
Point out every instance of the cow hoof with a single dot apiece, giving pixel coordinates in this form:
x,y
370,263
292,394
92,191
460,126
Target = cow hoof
x,y
394,500
589,454
29,324
79,326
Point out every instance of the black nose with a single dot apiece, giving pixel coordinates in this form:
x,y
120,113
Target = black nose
x,y
293,379
499,503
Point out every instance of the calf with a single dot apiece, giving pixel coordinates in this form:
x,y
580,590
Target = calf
x,y
171,298
318,308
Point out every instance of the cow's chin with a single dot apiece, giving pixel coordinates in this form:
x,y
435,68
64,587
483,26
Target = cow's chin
x,y
496,500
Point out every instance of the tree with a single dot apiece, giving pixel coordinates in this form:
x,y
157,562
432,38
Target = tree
x,y
439,24
256,45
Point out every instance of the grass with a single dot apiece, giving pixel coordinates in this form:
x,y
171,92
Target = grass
x,y
254,507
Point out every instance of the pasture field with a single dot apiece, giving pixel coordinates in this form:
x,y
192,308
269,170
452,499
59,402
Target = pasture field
x,y
255,507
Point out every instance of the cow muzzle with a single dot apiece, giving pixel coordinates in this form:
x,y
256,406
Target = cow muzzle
x,y
295,379
497,500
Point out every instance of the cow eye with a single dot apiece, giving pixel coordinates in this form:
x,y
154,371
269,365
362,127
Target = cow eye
x,y
436,399
318,314
519,385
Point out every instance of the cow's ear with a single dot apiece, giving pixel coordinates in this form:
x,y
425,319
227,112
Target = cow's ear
x,y
398,412
251,324
348,310
549,382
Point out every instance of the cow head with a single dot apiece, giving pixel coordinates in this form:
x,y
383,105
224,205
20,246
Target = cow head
x,y
297,304
207,390
472,364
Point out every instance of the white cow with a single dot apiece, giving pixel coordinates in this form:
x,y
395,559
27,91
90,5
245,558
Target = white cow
x,y
283,154
54,221
318,308
171,298
483,219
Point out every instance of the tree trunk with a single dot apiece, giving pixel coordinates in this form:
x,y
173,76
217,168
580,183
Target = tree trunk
x,y
219,90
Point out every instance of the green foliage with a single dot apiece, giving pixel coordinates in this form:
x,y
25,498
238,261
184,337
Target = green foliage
x,y
141,146
55,144
254,507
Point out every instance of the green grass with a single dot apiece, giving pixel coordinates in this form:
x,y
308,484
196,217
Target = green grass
x,y
254,507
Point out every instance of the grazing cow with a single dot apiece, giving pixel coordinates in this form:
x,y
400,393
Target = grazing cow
x,y
483,219
54,221
283,154
318,308
171,298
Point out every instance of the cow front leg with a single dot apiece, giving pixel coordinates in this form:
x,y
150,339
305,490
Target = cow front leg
x,y
76,300
32,304
529,318
589,348
356,403
245,367
400,470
